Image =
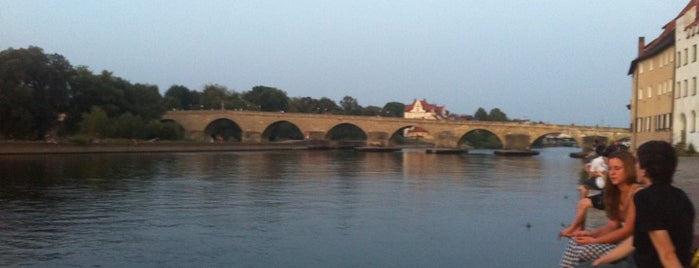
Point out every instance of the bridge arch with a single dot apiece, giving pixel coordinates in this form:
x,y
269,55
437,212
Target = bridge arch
x,y
346,131
411,135
223,129
480,138
282,130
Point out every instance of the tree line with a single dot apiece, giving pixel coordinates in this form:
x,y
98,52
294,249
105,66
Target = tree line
x,y
43,96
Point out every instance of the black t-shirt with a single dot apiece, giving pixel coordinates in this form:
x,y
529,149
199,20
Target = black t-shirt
x,y
663,207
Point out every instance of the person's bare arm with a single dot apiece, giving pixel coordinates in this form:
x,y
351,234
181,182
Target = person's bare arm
x,y
619,252
666,250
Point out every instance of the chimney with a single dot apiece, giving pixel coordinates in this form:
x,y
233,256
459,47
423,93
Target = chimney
x,y
641,45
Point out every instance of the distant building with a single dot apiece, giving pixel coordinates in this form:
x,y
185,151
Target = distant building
x,y
421,109
664,100
687,68
652,88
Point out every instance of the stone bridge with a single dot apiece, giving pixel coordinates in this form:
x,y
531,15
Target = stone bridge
x,y
255,127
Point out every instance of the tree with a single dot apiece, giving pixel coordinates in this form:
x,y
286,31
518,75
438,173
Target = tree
x,y
371,110
267,98
95,123
393,109
497,115
326,105
214,97
35,89
144,101
350,106
481,114
180,98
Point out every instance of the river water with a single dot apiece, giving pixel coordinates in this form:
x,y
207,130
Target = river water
x,y
290,209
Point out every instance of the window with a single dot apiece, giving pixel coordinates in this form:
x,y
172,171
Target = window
x,y
694,86
694,122
639,125
650,92
679,56
677,92
694,53
640,94
660,88
686,56
685,88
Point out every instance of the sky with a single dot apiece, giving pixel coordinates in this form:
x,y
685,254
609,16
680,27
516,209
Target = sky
x,y
556,61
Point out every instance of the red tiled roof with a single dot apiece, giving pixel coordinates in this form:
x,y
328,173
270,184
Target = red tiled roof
x,y
425,106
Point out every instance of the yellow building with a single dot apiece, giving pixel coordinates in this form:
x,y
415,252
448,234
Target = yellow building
x,y
653,81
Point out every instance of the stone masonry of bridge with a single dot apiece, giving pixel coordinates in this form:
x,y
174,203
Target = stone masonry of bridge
x,y
379,130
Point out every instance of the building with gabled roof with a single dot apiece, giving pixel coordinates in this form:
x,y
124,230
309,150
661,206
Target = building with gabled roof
x,y
421,109
652,88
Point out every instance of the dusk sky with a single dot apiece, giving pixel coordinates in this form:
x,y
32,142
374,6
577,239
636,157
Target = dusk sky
x,y
556,61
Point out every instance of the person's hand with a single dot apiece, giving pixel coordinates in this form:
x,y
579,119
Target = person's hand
x,y
581,233
584,240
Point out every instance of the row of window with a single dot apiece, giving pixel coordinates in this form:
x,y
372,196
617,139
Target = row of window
x,y
663,122
684,61
683,88
654,123
663,59
663,88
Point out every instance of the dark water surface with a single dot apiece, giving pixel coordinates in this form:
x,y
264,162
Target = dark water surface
x,y
289,209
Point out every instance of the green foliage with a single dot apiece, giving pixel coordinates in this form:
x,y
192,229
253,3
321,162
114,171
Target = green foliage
x,y
497,116
481,114
269,99
350,106
179,97
311,105
35,89
371,110
95,123
128,126
393,109
165,130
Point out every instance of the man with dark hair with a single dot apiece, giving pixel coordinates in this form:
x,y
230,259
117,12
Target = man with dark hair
x,y
664,214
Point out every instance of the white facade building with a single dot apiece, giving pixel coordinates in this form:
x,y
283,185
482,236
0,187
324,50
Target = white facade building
x,y
686,104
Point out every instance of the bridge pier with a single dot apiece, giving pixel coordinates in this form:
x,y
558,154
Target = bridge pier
x,y
251,137
314,135
446,139
517,142
377,138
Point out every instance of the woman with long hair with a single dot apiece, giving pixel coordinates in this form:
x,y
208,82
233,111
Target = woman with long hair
x,y
618,200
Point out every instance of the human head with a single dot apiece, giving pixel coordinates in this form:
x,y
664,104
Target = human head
x,y
599,149
609,150
612,192
657,160
629,163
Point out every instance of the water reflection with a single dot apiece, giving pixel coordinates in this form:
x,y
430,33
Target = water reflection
x,y
290,209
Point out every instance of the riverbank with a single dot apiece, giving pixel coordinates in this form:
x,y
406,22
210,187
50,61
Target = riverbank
x,y
10,148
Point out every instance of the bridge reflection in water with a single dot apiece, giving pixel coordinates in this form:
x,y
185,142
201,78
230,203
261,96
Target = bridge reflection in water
x,y
259,127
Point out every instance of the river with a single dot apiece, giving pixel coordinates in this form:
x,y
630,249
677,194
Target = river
x,y
337,208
